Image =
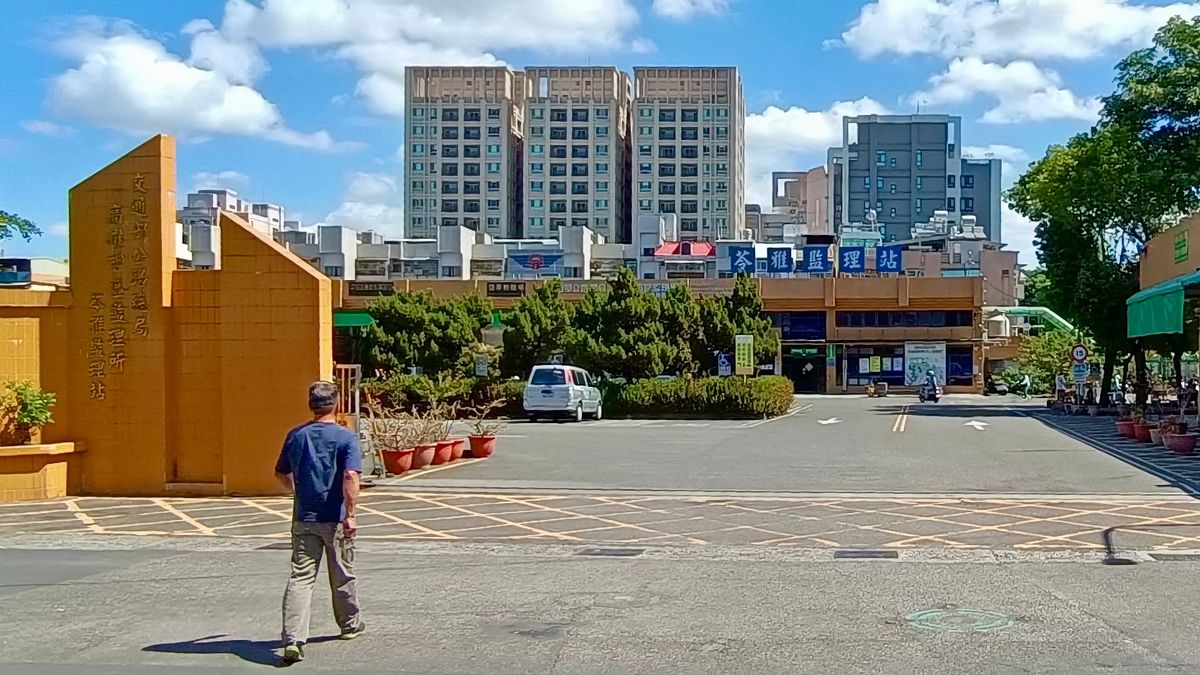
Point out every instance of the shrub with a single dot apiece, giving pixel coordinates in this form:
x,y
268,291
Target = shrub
x,y
24,408
711,397
416,393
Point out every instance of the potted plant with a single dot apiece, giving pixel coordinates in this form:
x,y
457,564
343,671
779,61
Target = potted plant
x,y
1182,444
390,432
443,418
484,430
425,432
24,410
1156,433
1125,426
1141,431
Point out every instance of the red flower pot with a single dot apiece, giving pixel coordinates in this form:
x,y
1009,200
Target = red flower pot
x,y
423,455
397,460
1125,428
1142,432
483,446
1182,444
459,449
443,453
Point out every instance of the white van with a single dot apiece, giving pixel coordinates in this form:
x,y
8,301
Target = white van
x,y
561,391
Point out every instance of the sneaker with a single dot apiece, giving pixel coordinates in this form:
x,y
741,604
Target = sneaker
x,y
293,653
354,632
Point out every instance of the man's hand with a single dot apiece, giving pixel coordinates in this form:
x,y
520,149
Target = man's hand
x,y
349,527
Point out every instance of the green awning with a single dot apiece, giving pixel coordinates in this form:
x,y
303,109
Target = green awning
x,y
1158,310
352,319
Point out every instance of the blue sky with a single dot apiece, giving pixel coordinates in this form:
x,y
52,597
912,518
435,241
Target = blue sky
x,y
298,101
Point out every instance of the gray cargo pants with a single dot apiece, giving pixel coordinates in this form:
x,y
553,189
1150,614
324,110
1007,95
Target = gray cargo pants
x,y
311,541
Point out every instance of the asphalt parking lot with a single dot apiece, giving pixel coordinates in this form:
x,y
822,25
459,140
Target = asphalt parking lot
x,y
828,445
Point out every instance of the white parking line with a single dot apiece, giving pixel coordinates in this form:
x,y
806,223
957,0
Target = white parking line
x,y
758,423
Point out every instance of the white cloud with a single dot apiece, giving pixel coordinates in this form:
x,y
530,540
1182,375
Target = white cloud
x,y
46,128
1013,160
370,187
239,62
381,37
1022,91
129,82
372,201
778,139
57,230
213,180
995,29
1018,232
682,10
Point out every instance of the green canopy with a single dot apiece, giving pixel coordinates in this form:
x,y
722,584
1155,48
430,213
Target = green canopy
x,y
1158,310
352,319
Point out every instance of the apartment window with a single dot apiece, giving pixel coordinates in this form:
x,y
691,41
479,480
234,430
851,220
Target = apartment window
x,y
471,205
471,133
866,206
878,206
418,167
449,115
450,133
418,149
666,116
579,188
666,152
645,186
558,169
449,206
881,158
471,169
722,113
892,162
722,133
722,151
418,131
451,151
418,186
601,113
968,204
920,158
689,225
950,150
471,187
493,221
689,134
601,167
471,115
537,186
920,183
879,182
493,204
601,132
892,213
666,188
950,181
558,151
493,167
579,151
601,223
866,182
968,181
722,168
493,113
535,132
708,113
557,224
536,167
418,113
558,206
722,204
689,188
645,169
666,134
579,115
493,186
602,150
689,115
537,114
645,113
558,187
601,186
707,169
450,188
950,204
666,207
645,151
722,186
690,152
581,169
558,133
450,221
645,131
418,204
689,170
537,223
689,206
579,134
537,203
920,205
666,170
579,207
558,115
537,149
644,205
601,203
892,188
449,169
332,271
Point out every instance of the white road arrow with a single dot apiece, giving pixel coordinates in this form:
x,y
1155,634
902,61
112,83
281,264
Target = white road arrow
x,y
831,420
979,426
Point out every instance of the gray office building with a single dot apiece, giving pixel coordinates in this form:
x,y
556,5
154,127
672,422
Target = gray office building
x,y
906,167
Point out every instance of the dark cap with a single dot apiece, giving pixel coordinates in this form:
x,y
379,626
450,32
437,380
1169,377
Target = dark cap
x,y
322,396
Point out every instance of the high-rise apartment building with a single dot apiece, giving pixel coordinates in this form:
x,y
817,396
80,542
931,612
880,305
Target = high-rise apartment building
x,y
689,149
463,149
904,168
577,151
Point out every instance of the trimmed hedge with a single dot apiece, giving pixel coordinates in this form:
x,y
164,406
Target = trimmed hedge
x,y
709,397
417,392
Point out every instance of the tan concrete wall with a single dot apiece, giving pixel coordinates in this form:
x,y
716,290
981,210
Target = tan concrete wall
x,y
1158,260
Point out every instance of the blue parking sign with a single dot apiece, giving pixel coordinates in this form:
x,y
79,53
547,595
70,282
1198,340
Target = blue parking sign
x,y
816,260
888,259
779,260
741,260
724,365
852,259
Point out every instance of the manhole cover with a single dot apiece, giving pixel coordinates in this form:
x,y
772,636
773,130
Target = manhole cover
x,y
1176,557
845,554
612,552
959,620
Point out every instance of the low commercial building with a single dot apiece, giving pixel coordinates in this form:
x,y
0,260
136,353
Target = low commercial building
x,y
1169,274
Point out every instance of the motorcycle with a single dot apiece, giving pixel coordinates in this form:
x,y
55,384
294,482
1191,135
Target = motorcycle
x,y
929,394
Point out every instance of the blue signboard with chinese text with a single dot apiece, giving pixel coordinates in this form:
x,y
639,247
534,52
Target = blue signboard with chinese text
x,y
741,260
780,261
852,259
817,260
888,259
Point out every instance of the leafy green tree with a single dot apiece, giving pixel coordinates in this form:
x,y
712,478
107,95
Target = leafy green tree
x,y
12,225
1045,356
416,330
1037,289
619,331
746,314
538,327
680,316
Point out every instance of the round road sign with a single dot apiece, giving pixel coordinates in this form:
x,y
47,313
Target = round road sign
x,y
1079,353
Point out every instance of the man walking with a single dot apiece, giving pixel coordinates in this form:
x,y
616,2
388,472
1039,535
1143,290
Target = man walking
x,y
1026,386
321,465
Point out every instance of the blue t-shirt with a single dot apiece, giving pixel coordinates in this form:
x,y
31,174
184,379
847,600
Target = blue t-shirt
x,y
317,454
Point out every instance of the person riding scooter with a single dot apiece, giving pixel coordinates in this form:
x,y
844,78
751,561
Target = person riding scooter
x,y
929,390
